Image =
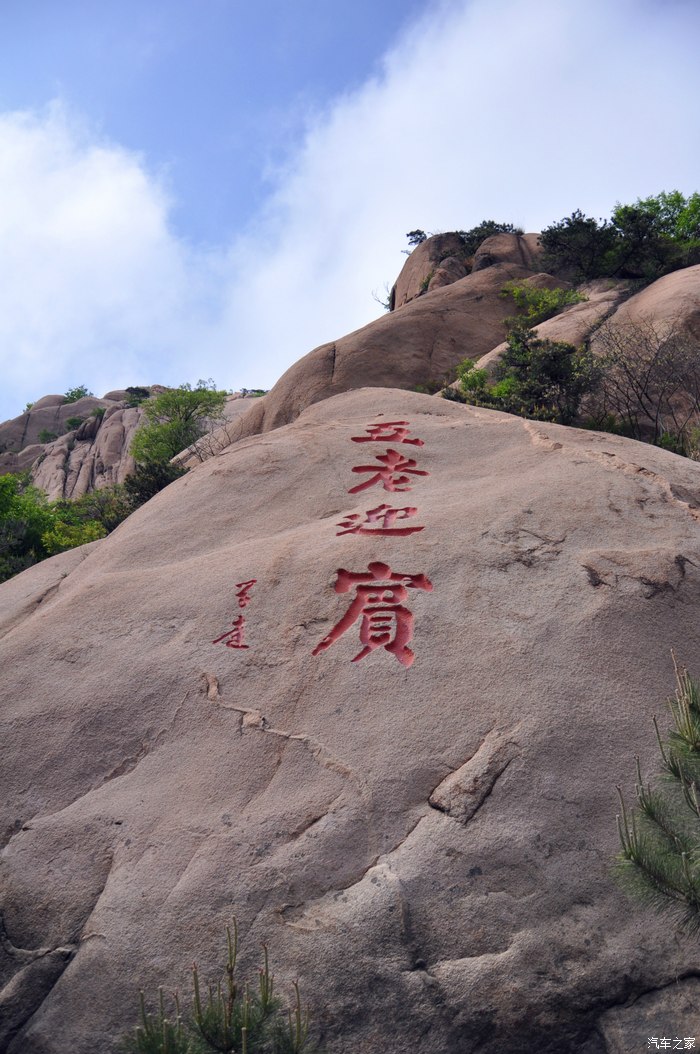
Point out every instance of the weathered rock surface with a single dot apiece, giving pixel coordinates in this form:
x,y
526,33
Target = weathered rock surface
x,y
420,344
92,455
155,783
443,254
520,249
576,323
84,457
671,303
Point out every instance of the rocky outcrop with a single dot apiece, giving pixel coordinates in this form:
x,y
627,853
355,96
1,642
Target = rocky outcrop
x,y
444,259
438,261
417,345
426,844
578,322
71,448
92,454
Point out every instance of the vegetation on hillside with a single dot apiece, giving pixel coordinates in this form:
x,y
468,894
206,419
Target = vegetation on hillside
x,y
33,528
541,379
644,241
174,421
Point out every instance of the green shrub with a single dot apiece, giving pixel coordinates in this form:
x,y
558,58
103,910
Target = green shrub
x,y
472,239
536,378
138,395
537,305
642,241
74,422
148,479
176,419
33,528
98,411
580,245
73,394
108,506
229,1017
47,437
425,282
62,536
659,862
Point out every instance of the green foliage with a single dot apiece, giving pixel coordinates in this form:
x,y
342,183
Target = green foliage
x,y
28,407
175,420
148,479
63,535
537,305
98,411
473,381
416,237
138,395
472,239
579,245
659,861
47,437
643,241
540,379
25,515
74,422
227,1017
107,507
254,393
33,528
425,282
73,394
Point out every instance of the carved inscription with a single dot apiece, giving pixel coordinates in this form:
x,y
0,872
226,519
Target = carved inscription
x,y
379,602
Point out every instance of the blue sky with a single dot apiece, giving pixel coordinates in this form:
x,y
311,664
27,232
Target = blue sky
x,y
210,188
214,93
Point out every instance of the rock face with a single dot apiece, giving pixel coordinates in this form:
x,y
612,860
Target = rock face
x,y
438,261
415,808
80,457
418,344
86,457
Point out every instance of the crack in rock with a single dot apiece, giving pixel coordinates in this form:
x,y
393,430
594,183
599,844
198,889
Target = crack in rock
x,y
466,789
255,720
650,573
676,495
21,997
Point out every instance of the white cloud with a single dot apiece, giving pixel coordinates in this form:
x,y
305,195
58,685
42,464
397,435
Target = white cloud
x,y
514,110
517,110
93,286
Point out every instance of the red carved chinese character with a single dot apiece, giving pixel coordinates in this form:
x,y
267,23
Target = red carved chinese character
x,y
244,592
384,515
235,635
390,475
387,432
379,600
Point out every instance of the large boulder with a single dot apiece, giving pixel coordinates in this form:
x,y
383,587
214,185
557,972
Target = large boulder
x,y
439,260
422,829
417,346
